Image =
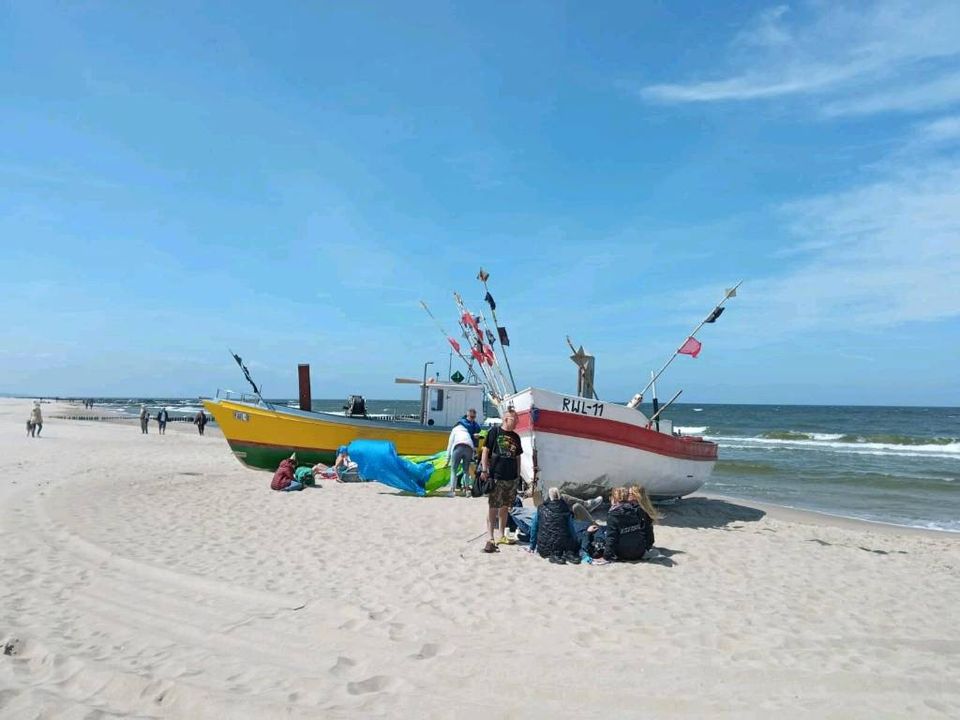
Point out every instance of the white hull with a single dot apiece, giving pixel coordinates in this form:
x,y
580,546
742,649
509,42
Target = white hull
x,y
586,447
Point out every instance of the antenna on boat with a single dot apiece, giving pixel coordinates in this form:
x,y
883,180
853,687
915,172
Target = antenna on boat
x,y
246,374
483,276
656,403
714,314
656,417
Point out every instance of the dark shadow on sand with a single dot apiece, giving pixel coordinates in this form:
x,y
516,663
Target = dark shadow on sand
x,y
701,512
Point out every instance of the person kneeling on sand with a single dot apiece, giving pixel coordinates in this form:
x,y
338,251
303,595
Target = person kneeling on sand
x,y
629,532
552,532
283,478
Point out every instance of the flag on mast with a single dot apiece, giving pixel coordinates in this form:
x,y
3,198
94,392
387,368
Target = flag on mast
x,y
489,300
504,338
717,312
454,344
691,347
483,275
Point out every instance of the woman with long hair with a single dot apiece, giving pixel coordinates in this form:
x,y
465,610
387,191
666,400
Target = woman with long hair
x,y
629,524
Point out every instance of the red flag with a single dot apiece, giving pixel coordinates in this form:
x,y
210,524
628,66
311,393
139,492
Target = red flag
x,y
478,356
470,320
454,344
691,347
488,354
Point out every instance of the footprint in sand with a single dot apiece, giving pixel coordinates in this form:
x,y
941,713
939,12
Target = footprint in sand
x,y
431,650
375,684
343,665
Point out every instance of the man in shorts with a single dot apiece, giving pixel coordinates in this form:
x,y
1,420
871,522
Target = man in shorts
x,y
501,462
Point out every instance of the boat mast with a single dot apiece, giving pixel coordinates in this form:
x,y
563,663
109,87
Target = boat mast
x,y
730,292
495,380
483,276
469,361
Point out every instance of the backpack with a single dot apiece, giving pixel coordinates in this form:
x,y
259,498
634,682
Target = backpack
x,y
484,487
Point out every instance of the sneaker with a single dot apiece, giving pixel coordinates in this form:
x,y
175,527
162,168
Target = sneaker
x,y
490,547
571,557
594,503
504,540
557,560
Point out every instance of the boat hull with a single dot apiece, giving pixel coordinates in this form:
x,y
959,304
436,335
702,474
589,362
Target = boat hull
x,y
586,447
261,436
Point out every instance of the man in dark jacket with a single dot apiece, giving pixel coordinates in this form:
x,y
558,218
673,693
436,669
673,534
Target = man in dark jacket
x,y
552,532
629,532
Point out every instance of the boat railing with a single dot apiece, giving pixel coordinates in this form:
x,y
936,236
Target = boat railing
x,y
223,394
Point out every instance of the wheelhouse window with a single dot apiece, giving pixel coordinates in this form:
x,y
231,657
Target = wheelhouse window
x,y
436,403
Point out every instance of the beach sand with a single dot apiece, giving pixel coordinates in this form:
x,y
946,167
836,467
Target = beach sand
x,y
152,576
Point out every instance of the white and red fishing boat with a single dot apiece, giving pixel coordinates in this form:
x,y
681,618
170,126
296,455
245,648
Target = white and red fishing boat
x,y
587,447
579,443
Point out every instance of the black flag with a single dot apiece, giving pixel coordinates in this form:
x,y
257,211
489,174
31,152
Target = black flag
x,y
246,373
717,312
504,340
490,338
489,298
483,275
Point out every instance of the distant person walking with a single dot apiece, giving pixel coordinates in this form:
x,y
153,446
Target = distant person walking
x,y
162,418
200,421
36,419
144,419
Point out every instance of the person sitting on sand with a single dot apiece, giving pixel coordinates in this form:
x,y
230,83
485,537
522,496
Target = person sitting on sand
x,y
629,524
36,417
283,478
552,532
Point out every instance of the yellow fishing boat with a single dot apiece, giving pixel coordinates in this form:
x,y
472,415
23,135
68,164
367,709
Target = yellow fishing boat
x,y
261,433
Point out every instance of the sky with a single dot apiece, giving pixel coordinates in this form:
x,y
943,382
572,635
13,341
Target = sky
x,y
289,180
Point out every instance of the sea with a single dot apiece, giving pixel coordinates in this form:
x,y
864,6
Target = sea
x,y
898,465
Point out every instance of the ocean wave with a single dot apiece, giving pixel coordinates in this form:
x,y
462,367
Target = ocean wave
x,y
692,430
880,439
948,451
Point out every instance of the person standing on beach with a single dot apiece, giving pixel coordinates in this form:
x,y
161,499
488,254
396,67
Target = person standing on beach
x,y
36,417
500,461
144,419
200,421
460,452
162,418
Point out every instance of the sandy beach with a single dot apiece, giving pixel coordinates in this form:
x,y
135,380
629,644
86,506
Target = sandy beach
x,y
149,576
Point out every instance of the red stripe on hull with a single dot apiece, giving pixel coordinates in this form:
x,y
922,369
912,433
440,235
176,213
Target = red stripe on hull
x,y
618,433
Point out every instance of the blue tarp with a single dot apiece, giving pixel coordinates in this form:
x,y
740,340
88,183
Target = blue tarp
x,y
378,460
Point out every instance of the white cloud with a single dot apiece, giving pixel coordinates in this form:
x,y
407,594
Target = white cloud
x,y
859,60
879,256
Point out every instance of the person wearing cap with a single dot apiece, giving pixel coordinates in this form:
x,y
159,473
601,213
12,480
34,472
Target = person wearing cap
x,y
342,462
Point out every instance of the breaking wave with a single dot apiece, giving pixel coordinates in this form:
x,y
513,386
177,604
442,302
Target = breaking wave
x,y
899,445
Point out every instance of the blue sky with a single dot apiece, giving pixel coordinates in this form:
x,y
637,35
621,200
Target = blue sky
x,y
289,180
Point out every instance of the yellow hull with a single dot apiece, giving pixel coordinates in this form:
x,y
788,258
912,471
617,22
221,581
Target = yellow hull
x,y
260,436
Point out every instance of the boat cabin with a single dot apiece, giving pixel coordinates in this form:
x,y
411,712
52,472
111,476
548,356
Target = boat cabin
x,y
444,403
